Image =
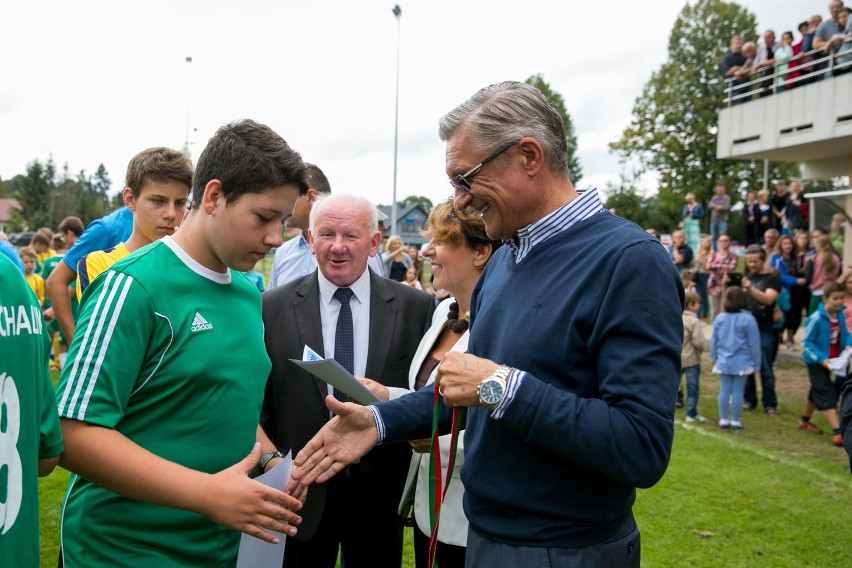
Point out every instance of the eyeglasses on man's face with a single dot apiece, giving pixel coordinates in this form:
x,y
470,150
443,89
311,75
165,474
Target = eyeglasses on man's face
x,y
462,181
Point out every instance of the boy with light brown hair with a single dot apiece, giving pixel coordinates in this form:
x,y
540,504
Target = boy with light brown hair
x,y
158,182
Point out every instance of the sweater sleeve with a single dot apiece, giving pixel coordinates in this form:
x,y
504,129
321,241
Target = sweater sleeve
x,y
626,432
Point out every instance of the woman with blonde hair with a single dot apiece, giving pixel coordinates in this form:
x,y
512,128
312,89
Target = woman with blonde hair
x,y
824,267
702,276
690,220
396,259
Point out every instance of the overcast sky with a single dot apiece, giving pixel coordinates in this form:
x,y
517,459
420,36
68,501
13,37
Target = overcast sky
x,y
95,82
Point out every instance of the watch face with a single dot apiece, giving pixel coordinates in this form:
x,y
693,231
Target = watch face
x,y
491,392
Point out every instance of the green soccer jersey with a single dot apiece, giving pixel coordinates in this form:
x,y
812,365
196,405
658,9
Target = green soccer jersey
x,y
171,355
29,425
49,265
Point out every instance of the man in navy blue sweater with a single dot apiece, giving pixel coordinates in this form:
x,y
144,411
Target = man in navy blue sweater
x,y
574,355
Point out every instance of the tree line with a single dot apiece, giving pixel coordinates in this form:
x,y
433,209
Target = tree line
x,y
47,196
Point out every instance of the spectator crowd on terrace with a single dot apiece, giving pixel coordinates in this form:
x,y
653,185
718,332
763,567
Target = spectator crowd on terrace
x,y
779,63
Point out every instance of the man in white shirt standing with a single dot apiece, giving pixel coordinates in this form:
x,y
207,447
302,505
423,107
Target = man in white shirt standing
x,y
294,258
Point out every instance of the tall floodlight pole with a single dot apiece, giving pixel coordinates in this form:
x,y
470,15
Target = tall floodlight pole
x,y
186,141
397,12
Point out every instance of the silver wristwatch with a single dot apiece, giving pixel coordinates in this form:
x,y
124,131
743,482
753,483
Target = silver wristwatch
x,y
493,388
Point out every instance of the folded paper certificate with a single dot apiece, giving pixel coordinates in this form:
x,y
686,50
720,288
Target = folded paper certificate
x,y
331,372
255,553
840,363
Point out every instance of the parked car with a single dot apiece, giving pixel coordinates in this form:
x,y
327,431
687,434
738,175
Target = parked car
x,y
21,239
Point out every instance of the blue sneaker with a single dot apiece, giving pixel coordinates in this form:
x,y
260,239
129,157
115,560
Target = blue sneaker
x,y
724,424
736,425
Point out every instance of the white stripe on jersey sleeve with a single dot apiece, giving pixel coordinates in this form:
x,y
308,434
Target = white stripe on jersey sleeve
x,y
75,364
114,284
125,288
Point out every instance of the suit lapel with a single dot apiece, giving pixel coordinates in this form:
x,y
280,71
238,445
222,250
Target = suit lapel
x,y
383,318
309,326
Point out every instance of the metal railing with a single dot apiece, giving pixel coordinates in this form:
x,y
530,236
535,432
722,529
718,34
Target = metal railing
x,y
812,66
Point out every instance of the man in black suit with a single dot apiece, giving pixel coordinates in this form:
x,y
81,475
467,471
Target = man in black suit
x,y
358,510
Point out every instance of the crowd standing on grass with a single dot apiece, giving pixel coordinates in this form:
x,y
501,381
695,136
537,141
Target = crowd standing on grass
x,y
787,275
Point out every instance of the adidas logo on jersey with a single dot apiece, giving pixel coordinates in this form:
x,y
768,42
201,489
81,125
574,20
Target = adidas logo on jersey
x,y
200,324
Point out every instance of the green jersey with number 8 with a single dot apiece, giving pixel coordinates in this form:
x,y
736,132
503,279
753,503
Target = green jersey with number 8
x,y
29,425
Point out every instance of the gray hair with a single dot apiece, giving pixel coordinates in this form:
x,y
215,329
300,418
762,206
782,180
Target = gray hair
x,y
355,202
503,112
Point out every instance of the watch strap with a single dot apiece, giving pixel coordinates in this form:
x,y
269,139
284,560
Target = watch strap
x,y
266,458
501,374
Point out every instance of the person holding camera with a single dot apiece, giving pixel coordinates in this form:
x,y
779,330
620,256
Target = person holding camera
x,y
762,288
719,263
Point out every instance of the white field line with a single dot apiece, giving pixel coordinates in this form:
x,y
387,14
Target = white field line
x,y
730,438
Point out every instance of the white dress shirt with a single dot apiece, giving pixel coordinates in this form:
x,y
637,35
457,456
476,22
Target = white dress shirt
x,y
330,309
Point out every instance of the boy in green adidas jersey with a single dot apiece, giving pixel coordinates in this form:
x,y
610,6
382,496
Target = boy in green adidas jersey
x,y
161,396
30,439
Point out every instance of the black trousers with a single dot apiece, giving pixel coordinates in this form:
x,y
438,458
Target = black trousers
x,y
359,521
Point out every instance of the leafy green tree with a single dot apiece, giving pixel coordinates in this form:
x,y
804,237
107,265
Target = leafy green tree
x,y
630,204
420,200
626,199
87,207
35,193
575,172
101,185
675,119
94,199
116,201
66,197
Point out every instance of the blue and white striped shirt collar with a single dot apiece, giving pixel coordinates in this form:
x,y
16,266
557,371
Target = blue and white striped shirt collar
x,y
586,204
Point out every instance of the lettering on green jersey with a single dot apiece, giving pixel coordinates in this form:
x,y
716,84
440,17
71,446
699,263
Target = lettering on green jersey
x,y
10,459
17,320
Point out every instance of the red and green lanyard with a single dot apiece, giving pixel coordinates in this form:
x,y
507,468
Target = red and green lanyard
x,y
437,488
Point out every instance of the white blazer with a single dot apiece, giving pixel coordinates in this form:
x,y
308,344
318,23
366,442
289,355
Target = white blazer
x,y
453,526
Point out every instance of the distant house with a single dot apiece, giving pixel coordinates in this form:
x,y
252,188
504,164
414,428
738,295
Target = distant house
x,y
6,206
409,220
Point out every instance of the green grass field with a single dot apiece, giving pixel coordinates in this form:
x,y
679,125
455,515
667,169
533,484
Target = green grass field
x,y
769,495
